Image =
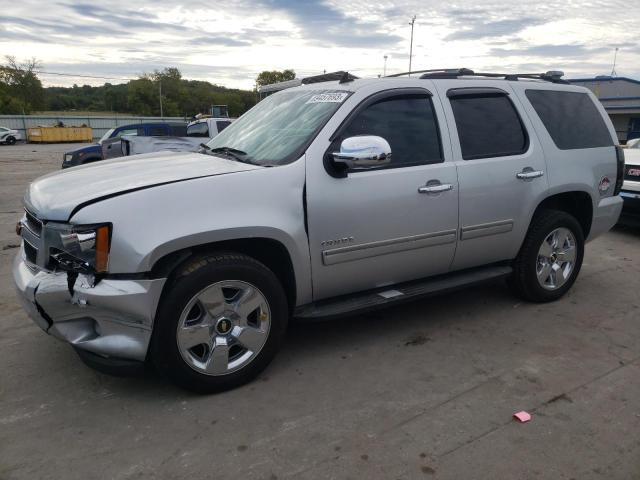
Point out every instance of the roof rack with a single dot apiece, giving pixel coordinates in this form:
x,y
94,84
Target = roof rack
x,y
551,76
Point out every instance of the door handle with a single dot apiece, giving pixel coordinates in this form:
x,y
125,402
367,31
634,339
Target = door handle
x,y
529,174
438,188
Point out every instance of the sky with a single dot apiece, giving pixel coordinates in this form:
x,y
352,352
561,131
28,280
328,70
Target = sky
x,y
229,42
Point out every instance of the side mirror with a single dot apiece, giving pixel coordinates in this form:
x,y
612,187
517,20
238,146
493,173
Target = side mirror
x,y
362,152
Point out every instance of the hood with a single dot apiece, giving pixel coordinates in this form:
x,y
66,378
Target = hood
x,y
94,147
57,195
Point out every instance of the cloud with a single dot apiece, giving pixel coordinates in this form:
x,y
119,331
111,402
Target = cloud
x,y
479,29
229,42
124,19
320,21
216,40
549,51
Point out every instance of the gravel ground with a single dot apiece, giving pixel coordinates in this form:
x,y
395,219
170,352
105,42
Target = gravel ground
x,y
425,390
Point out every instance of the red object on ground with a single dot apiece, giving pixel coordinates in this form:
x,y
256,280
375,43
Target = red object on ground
x,y
522,417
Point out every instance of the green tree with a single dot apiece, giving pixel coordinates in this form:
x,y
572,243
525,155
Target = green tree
x,y
180,97
20,88
274,76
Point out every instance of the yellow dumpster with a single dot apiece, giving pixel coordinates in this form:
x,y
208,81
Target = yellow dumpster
x,y
59,134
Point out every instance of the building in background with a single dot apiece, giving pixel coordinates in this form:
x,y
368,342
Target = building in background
x,y
620,97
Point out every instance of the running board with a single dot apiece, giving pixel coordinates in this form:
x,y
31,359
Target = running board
x,y
382,297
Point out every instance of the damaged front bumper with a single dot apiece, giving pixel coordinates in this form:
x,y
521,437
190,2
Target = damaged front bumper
x,y
112,319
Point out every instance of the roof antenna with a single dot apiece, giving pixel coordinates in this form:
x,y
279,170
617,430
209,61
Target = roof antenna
x,y
615,57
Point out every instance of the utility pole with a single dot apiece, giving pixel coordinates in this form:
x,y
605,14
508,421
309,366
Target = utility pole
x,y
384,74
413,20
615,58
160,94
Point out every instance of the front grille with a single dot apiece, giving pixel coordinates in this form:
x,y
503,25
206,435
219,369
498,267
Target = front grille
x,y
33,224
30,252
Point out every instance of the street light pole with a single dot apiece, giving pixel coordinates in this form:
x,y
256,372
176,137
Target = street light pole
x,y
384,72
413,20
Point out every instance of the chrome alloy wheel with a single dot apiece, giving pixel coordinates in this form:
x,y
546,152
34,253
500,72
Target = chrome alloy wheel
x,y
556,259
223,327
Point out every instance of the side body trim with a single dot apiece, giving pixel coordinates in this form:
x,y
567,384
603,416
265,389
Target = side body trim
x,y
486,229
383,247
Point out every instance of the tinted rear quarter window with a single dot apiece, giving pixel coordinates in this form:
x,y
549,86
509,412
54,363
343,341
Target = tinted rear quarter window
x,y
571,118
488,126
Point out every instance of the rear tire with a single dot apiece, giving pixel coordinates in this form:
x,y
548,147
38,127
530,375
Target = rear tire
x,y
220,323
550,258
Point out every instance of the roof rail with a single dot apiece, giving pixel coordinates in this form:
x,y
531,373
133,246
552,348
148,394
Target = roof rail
x,y
550,76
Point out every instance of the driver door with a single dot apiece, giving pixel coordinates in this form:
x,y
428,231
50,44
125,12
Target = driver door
x,y
376,227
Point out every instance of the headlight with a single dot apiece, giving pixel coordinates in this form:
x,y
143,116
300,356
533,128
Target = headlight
x,y
83,248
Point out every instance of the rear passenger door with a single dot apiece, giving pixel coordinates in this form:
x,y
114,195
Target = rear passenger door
x,y
501,169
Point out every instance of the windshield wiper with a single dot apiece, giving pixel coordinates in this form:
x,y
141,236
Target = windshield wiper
x,y
234,153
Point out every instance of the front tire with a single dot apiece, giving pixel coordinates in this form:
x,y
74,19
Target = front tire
x,y
220,323
550,258
10,141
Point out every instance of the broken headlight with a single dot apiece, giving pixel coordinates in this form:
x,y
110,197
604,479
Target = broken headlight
x,y
79,248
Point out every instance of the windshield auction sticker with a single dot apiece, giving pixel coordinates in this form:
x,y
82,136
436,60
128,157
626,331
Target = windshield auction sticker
x,y
336,97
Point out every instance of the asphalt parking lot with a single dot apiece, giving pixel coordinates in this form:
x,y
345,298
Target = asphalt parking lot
x,y
425,390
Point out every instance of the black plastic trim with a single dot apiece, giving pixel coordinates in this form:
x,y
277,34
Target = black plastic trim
x,y
476,91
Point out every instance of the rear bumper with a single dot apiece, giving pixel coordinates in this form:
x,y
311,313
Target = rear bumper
x,y
112,319
605,216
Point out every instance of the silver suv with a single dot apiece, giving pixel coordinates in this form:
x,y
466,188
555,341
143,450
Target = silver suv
x,y
322,200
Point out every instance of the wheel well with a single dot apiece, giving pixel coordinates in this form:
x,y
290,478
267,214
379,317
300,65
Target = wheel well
x,y
577,204
271,253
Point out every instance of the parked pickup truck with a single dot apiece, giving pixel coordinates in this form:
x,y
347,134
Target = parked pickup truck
x,y
631,188
198,131
323,200
109,145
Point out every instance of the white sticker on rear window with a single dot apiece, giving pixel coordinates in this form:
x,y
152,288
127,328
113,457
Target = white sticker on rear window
x,y
336,97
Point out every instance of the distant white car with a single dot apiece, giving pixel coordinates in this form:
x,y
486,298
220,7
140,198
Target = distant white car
x,y
8,136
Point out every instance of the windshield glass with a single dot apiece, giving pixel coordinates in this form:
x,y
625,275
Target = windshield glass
x,y
279,128
106,135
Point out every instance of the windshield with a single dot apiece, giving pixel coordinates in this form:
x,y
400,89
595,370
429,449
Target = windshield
x,y
279,128
106,135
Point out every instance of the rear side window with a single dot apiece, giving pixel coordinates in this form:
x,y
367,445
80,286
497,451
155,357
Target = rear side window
x,y
131,131
488,126
571,118
407,122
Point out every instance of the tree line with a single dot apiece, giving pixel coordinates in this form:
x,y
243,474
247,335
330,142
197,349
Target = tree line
x,y
21,92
